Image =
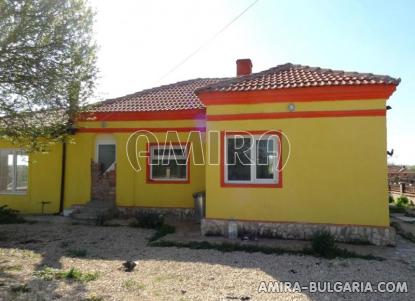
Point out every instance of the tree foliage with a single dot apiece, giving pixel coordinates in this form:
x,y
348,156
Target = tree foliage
x,y
47,68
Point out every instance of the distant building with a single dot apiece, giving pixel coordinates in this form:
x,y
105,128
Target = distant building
x,y
400,174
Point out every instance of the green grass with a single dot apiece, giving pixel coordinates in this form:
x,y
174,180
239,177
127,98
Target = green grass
x,y
77,253
230,247
72,274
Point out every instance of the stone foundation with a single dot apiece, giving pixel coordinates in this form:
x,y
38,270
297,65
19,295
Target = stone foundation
x,y
177,213
380,236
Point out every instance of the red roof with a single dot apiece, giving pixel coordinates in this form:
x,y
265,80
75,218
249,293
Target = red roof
x,y
298,76
181,95
173,97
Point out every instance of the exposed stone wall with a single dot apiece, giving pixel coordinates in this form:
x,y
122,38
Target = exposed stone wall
x,y
381,236
102,184
179,213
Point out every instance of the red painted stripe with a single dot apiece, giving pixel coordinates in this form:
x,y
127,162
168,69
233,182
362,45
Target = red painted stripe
x,y
306,114
130,130
306,94
130,116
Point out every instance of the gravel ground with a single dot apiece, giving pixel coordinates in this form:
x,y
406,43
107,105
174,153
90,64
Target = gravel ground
x,y
172,273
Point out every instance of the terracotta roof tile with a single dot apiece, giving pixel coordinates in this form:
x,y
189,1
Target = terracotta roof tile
x,y
181,95
297,76
177,96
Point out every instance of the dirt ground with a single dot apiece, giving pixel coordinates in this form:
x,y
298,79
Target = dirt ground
x,y
175,273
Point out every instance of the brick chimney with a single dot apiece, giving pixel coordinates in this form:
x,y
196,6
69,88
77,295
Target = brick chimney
x,y
243,67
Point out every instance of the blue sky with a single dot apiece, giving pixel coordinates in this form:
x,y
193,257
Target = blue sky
x,y
140,41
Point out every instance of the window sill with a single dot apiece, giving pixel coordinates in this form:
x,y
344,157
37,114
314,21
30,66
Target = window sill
x,y
13,193
253,185
159,181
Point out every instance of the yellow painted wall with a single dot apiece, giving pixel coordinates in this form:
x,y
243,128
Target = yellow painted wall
x,y
300,106
44,183
79,153
132,188
336,172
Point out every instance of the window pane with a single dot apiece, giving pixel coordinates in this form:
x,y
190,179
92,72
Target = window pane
x,y
169,169
238,159
22,168
173,152
266,158
6,170
106,155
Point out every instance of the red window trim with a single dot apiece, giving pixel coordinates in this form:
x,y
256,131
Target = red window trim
x,y
223,135
152,181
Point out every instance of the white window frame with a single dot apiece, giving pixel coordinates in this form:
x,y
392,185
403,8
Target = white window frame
x,y
153,156
15,191
254,180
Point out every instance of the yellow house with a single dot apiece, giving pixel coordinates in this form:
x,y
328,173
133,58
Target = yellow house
x,y
284,152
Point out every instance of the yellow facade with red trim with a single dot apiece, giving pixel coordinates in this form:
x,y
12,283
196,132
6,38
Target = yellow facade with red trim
x,y
335,167
132,189
335,171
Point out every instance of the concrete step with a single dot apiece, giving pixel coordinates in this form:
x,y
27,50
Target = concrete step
x,y
92,210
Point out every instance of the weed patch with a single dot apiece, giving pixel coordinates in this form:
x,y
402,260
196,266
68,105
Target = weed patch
x,y
77,253
73,274
148,220
10,216
162,231
131,285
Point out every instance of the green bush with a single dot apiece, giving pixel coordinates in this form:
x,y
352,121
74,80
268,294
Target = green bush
x,y
402,202
323,244
9,216
391,199
162,231
148,220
